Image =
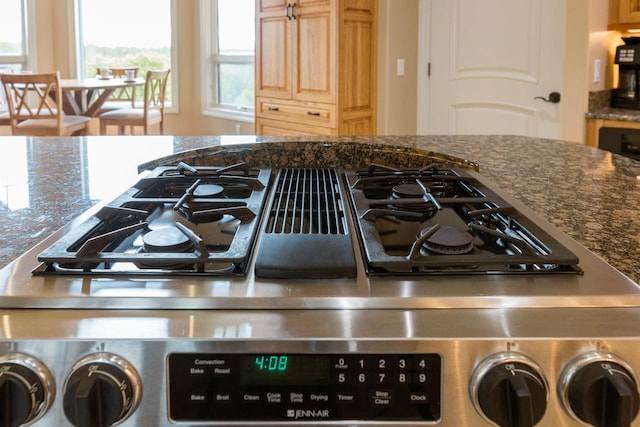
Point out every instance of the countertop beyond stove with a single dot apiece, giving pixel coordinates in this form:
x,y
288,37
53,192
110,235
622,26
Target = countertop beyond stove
x,y
590,194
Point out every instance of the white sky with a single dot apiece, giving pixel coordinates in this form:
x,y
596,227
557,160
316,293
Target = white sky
x,y
147,22
10,21
116,22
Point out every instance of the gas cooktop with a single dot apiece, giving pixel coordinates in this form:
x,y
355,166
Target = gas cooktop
x,y
242,237
256,296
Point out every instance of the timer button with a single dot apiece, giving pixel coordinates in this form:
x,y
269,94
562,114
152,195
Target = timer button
x,y
599,390
509,390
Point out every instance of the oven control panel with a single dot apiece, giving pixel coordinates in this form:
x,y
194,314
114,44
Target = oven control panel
x,y
304,387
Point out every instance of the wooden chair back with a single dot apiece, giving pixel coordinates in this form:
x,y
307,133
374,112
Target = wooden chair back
x,y
155,87
35,105
126,95
4,108
33,97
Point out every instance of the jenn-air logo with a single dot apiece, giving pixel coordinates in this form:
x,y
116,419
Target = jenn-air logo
x,y
297,414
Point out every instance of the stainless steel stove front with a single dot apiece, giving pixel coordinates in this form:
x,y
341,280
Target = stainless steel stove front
x,y
211,342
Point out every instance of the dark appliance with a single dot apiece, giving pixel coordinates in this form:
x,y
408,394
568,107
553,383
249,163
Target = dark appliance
x,y
217,296
623,141
628,60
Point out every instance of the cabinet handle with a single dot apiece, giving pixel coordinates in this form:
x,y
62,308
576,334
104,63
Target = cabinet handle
x,y
289,11
311,113
293,10
273,109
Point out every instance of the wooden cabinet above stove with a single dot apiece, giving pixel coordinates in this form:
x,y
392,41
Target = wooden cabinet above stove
x,y
316,66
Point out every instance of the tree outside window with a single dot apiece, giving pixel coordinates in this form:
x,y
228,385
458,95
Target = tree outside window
x,y
125,33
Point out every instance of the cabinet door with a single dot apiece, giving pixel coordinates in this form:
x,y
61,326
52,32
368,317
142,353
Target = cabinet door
x,y
314,55
629,11
272,6
273,50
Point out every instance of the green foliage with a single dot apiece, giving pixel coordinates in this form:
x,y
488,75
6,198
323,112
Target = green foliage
x,y
8,48
236,85
120,57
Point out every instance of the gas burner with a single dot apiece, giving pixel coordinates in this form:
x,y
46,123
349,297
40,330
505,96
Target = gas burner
x,y
208,190
448,240
167,239
407,191
200,212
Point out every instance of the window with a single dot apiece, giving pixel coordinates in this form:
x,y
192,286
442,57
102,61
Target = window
x,y
13,35
228,28
127,33
14,46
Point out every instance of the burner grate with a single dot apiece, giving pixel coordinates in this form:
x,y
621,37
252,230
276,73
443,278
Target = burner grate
x,y
459,226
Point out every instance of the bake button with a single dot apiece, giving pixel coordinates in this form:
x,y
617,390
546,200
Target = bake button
x,y
418,398
198,397
381,397
196,371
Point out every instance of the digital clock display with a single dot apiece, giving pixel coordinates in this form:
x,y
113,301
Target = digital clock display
x,y
284,369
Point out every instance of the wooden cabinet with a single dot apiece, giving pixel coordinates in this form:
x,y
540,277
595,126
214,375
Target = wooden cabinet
x,y
624,14
594,125
316,67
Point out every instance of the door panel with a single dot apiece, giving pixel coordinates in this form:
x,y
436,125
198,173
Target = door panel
x,y
479,118
273,52
314,79
489,61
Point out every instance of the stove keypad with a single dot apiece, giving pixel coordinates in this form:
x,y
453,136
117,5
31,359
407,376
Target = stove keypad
x,y
304,387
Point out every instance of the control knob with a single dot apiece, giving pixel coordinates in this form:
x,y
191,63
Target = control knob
x,y
27,390
599,389
509,390
102,390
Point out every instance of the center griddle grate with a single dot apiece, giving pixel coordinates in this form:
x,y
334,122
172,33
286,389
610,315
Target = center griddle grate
x,y
307,201
306,233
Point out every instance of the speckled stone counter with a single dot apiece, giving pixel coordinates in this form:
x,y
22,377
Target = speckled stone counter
x,y
619,114
590,194
600,108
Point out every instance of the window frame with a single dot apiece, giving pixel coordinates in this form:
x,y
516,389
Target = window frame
x,y
77,57
209,60
26,60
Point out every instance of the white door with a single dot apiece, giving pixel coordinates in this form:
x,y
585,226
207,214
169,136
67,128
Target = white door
x,y
489,60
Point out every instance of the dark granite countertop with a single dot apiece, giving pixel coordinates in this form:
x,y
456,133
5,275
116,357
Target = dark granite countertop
x,y
619,114
590,194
